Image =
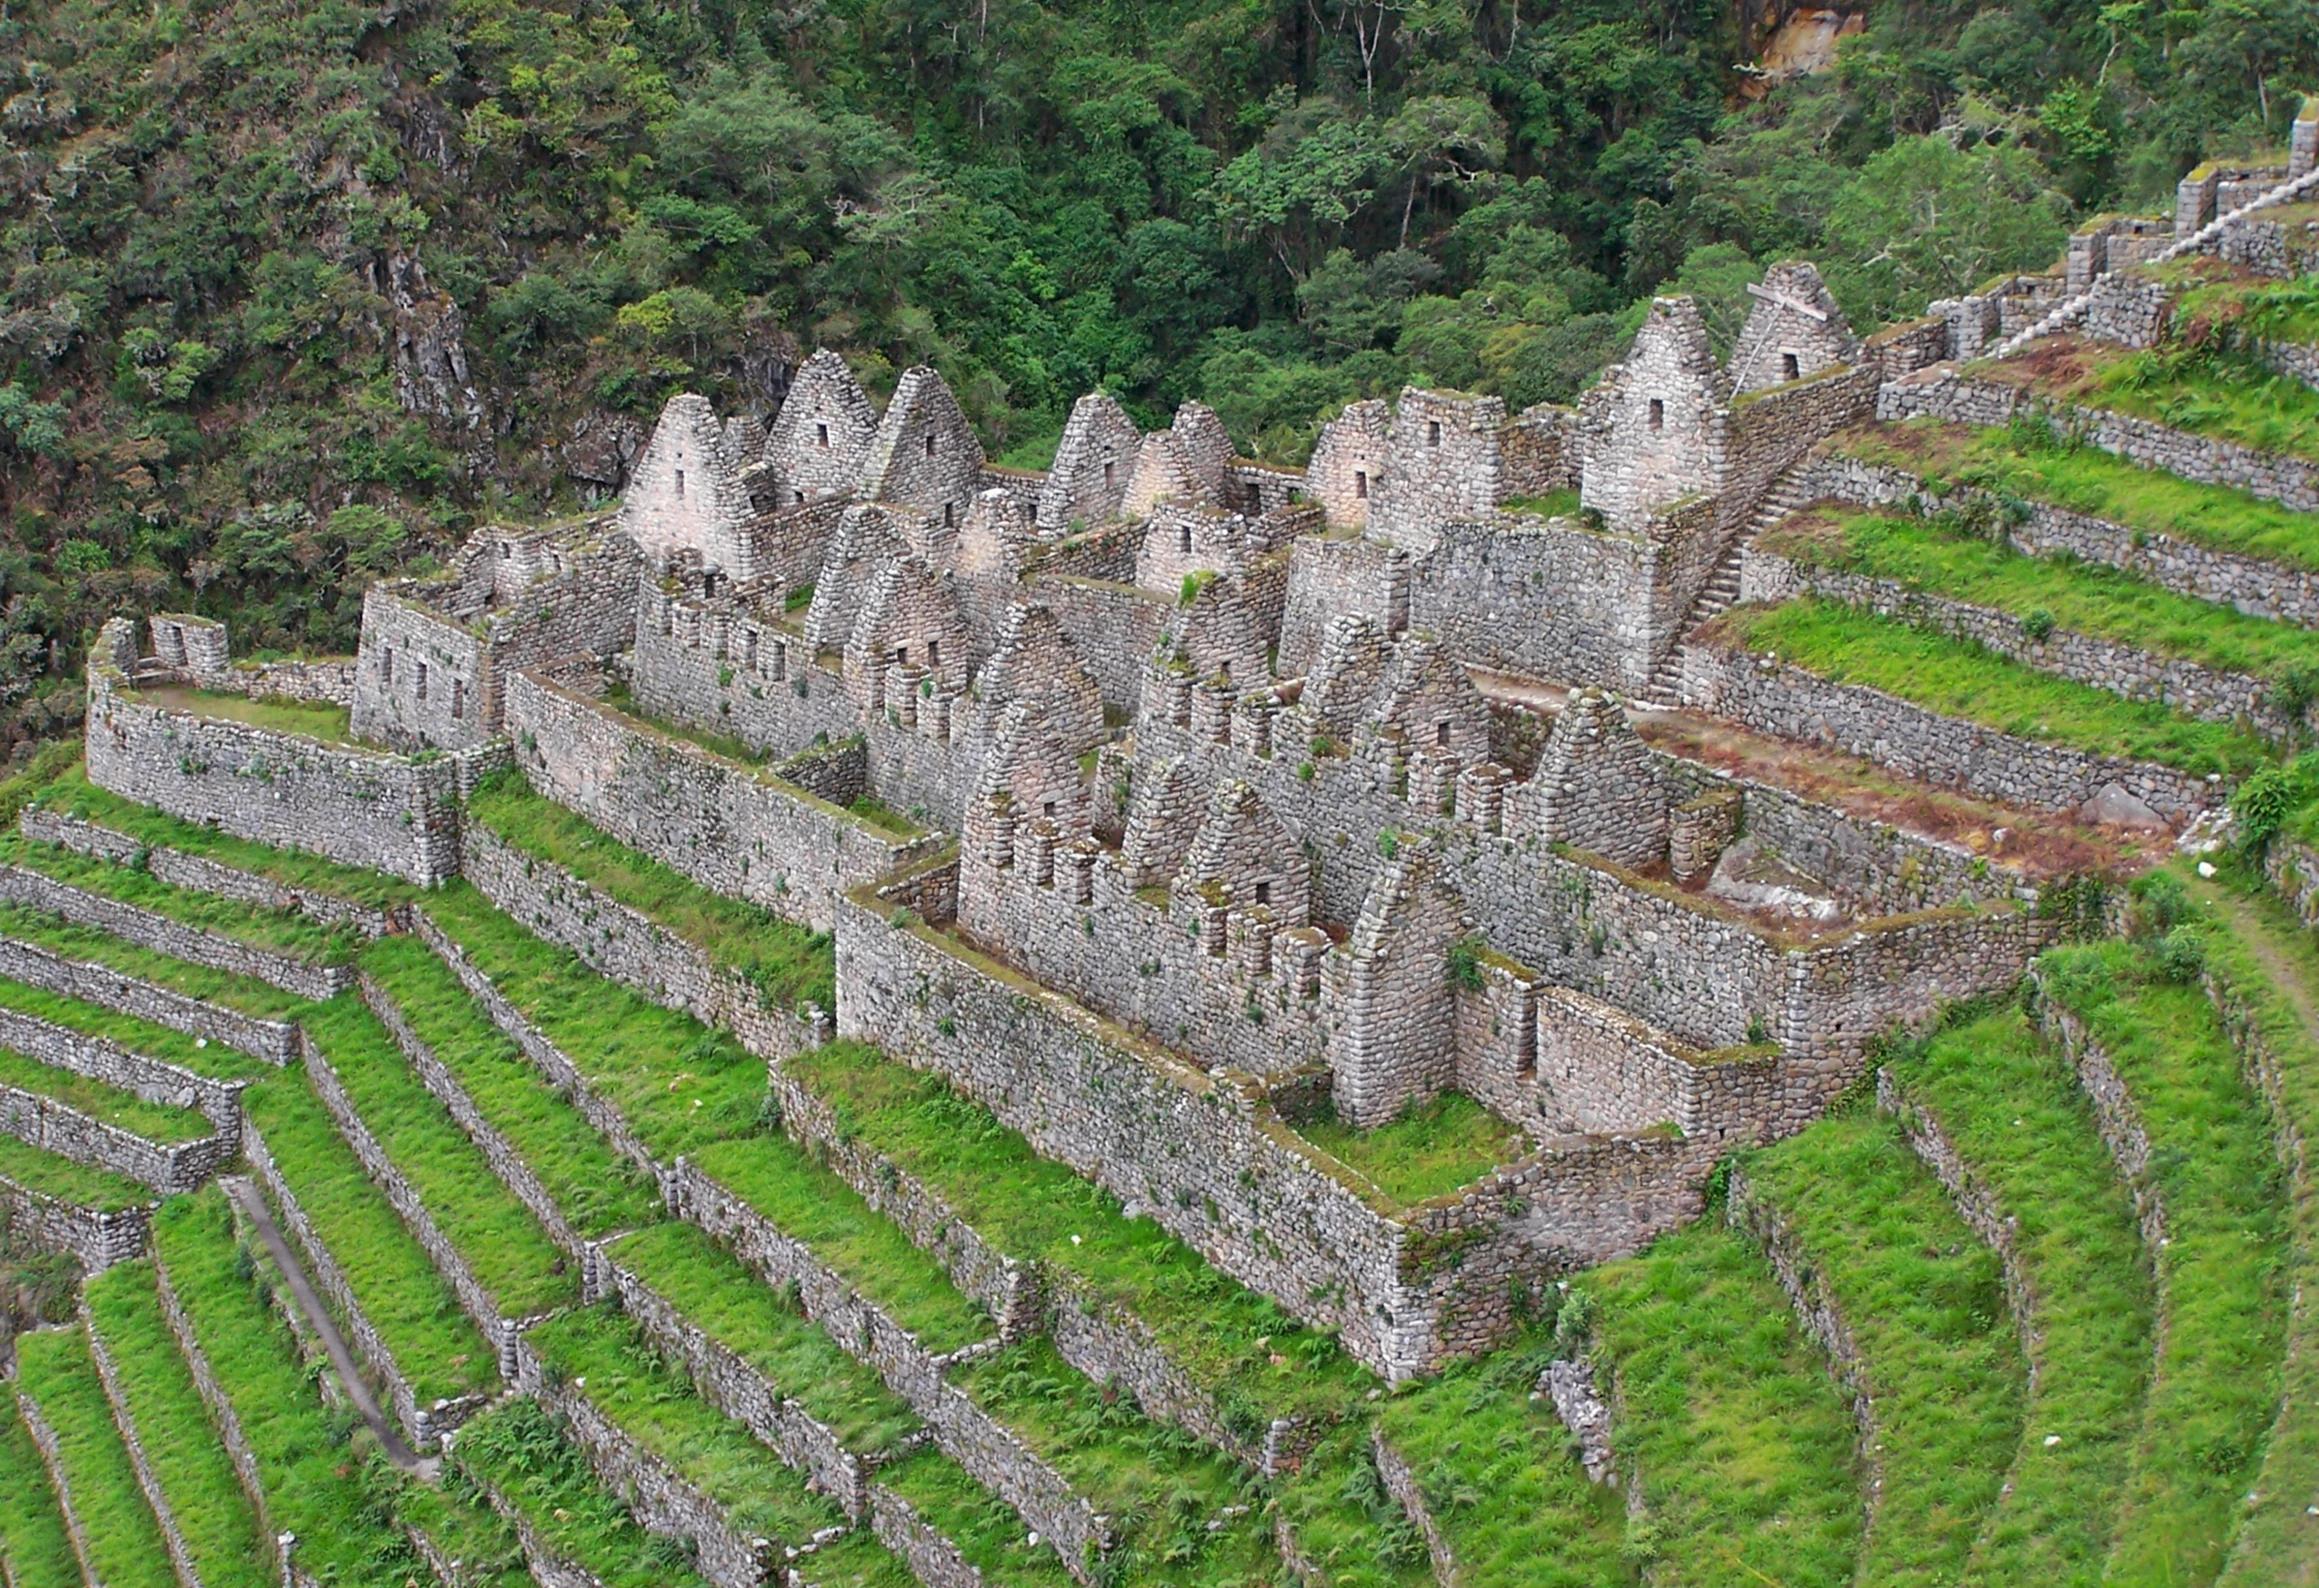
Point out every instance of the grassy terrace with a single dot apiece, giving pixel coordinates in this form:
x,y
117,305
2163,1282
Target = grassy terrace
x,y
1848,646
196,1477
2025,462
1744,1446
156,1122
1259,1361
2019,1118
410,1304
594,1187
1925,1304
33,1542
599,1355
2270,966
243,994
284,932
72,794
2205,390
985,1529
314,1487
1943,559
1344,1522
1497,1475
1431,1150
789,964
517,1450
461,1525
749,1318
66,1180
2221,1291
123,1540
1161,1486
498,1236
680,1085
140,1036
317,719
856,1560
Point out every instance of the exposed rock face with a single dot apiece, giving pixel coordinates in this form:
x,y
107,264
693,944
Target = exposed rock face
x,y
430,360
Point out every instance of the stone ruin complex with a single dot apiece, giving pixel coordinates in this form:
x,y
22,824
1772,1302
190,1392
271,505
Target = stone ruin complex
x,y
1165,801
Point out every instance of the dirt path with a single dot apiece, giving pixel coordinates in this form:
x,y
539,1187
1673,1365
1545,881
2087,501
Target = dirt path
x,y
253,1206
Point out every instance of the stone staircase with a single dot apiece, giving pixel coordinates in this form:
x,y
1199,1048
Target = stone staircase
x,y
1786,495
2073,309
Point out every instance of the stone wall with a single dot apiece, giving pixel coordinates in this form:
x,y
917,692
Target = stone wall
x,y
222,1415
1113,626
96,1237
53,1126
1552,598
1444,465
202,875
932,1559
148,929
103,1059
1790,703
1328,577
727,666
109,1375
358,807
272,1041
419,680
2117,1118
730,827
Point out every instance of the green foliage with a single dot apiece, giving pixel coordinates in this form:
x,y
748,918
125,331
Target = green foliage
x,y
55,1371
1430,1149
32,1531
518,1451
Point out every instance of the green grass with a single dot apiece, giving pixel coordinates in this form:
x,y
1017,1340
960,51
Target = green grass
x,y
460,1523
284,932
438,1349
519,1452
2280,311
1925,1304
985,1529
1257,1360
789,964
307,1463
1553,504
2017,1115
717,1293
124,1543
1496,1474
884,817
679,1085
156,1122
595,1188
2258,952
600,1355
2024,463
72,794
2222,1295
170,1046
812,1205
1342,1520
1162,1486
621,699
1744,1446
93,945
68,1181
2088,598
1848,646
1431,1149
32,1537
221,1531
2209,394
317,719
856,1560
503,1243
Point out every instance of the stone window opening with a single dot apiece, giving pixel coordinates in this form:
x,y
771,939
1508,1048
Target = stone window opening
x,y
1360,485
929,446
1789,368
458,698
1047,809
800,498
933,653
821,437
680,482
901,656
386,665
749,649
1658,414
1110,471
1433,432
1441,733
421,691
1184,539
1256,500
1264,893
949,515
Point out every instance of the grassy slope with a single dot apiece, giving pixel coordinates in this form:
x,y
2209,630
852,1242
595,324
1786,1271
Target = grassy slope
x,y
1431,1149
2016,1114
243,994
1925,1304
77,1183
221,1530
156,1122
411,1305
32,1536
1848,646
284,932
984,1528
596,1189
123,1539
2221,1297
314,1487
1343,1522
1742,1443
142,1036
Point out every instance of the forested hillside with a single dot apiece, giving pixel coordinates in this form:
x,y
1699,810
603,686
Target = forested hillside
x,y
296,292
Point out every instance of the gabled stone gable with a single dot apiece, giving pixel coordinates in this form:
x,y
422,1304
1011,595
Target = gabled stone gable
x,y
1347,673
1442,466
686,492
1348,463
1162,475
820,441
1794,331
1396,1038
868,538
925,455
1597,786
989,554
1222,632
1242,849
1163,817
1206,448
1094,463
1655,424
909,631
1430,702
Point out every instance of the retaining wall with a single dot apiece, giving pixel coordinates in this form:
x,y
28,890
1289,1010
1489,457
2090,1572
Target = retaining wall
x,y
149,929
181,870
271,1041
97,1237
